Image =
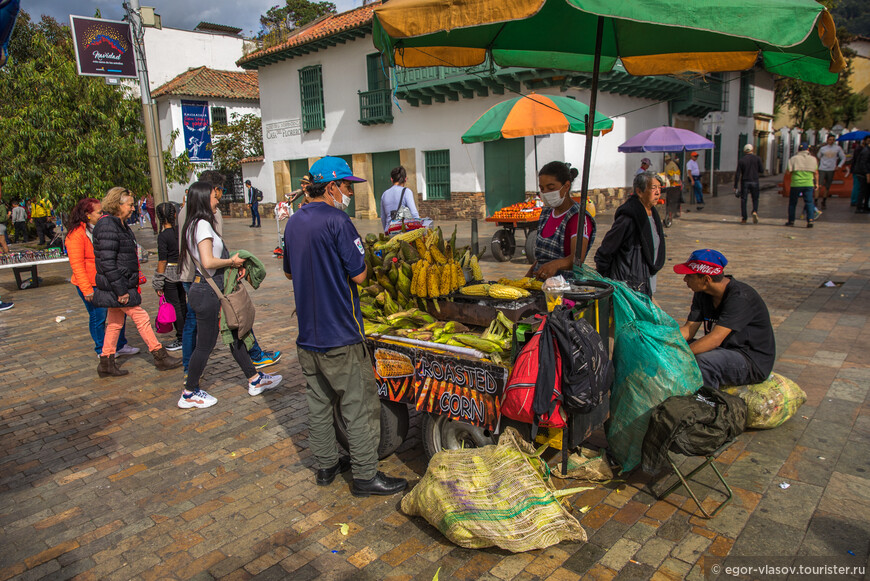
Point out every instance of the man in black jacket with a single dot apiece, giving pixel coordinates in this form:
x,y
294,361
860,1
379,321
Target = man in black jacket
x,y
862,175
738,346
253,197
746,181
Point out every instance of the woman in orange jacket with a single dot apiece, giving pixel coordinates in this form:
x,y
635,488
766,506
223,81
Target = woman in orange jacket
x,y
80,249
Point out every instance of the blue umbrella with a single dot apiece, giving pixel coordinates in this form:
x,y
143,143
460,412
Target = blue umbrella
x,y
665,139
854,136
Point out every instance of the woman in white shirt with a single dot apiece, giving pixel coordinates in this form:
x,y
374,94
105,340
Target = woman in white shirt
x,y
199,239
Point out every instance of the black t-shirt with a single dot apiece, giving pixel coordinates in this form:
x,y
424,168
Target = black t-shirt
x,y
743,311
167,245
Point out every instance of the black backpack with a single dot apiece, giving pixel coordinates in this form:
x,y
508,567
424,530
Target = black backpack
x,y
587,372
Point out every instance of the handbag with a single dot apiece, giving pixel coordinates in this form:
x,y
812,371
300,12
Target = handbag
x,y
402,212
165,316
237,307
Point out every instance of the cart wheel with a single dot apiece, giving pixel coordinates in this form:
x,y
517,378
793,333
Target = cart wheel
x,y
502,245
669,219
442,433
531,241
394,427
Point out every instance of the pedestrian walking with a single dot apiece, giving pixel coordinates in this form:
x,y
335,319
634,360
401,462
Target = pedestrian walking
x,y
398,200
693,172
40,213
211,258
746,183
803,170
117,283
323,256
165,281
862,173
645,164
633,250
253,196
19,222
80,251
830,157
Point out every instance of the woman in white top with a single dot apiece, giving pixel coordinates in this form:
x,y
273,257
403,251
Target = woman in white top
x,y
392,199
199,239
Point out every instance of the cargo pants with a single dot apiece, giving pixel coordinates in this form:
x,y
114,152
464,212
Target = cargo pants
x,y
344,374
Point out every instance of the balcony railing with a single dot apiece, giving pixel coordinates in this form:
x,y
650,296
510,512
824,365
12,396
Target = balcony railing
x,y
375,107
704,96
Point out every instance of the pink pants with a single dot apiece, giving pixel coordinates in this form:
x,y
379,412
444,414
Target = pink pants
x,y
114,322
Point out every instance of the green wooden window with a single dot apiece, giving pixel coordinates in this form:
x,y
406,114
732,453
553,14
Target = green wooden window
x,y
717,151
376,72
437,174
722,80
311,92
219,115
741,141
747,106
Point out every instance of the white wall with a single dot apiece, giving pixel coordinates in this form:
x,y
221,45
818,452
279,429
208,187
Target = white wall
x,y
262,178
171,51
431,127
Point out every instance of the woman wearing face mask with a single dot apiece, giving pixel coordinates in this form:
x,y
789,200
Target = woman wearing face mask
x,y
558,225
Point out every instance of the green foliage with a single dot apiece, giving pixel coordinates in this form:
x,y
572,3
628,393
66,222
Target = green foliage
x,y
853,16
241,138
279,21
65,136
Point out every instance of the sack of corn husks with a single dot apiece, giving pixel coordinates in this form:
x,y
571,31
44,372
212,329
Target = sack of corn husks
x,y
494,496
585,464
771,402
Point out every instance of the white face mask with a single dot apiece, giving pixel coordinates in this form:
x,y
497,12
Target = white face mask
x,y
553,199
343,204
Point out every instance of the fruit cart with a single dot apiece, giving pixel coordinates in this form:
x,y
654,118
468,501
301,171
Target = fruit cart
x,y
521,216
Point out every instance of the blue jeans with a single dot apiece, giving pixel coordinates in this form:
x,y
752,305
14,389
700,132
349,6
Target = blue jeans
x,y
809,207
255,213
188,335
698,188
856,189
97,324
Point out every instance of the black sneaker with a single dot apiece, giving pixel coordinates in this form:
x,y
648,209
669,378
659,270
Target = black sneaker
x,y
174,346
6,306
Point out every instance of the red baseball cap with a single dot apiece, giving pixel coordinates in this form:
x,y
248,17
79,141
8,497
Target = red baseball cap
x,y
694,154
705,261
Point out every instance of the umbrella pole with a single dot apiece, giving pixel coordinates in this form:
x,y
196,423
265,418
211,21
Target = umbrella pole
x,y
535,137
590,126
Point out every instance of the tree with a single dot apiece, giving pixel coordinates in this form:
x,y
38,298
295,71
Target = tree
x,y
66,136
231,143
279,20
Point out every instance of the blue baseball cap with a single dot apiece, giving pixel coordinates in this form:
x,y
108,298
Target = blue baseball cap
x,y
705,261
803,146
330,169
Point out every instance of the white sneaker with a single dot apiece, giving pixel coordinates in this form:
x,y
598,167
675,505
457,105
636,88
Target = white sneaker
x,y
198,399
126,350
264,382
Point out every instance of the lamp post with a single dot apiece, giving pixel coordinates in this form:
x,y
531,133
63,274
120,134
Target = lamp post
x,y
149,108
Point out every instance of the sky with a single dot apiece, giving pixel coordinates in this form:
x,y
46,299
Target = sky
x,y
183,14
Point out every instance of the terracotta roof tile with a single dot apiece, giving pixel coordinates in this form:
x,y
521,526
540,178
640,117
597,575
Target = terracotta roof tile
x,y
252,159
319,29
206,82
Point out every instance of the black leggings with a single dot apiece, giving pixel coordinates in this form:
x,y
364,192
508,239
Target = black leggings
x,y
175,296
206,305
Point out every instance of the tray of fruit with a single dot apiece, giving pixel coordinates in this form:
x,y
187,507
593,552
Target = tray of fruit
x,y
519,212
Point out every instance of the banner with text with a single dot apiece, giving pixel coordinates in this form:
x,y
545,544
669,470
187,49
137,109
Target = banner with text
x,y
104,48
197,135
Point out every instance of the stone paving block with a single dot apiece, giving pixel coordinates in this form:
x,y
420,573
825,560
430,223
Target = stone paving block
x,y
691,547
847,496
826,436
752,471
640,532
584,558
599,573
793,506
762,536
654,551
849,390
830,534
511,565
861,429
673,570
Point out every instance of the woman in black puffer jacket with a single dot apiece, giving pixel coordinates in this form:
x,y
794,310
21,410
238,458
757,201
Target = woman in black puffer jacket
x,y
117,288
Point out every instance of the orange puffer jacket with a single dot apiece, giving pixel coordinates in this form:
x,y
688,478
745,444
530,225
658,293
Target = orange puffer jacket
x,y
80,250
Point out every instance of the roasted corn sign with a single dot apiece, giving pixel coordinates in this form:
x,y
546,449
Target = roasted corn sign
x,y
439,382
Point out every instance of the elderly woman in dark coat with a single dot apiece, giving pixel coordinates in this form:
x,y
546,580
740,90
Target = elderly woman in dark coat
x,y
117,282
633,250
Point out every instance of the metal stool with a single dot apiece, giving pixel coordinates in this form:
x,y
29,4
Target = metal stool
x,y
684,480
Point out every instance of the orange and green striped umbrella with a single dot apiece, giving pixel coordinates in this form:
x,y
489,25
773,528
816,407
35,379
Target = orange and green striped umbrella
x,y
534,115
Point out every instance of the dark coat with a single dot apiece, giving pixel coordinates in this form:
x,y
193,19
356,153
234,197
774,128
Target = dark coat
x,y
117,260
626,253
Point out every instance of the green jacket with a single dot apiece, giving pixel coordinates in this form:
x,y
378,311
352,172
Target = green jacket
x,y
256,272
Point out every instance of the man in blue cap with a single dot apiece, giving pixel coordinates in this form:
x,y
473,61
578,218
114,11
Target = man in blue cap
x,y
324,257
738,346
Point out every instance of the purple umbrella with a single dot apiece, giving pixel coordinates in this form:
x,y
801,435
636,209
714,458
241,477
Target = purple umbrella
x,y
665,139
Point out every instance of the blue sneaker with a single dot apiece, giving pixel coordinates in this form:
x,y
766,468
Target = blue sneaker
x,y
268,358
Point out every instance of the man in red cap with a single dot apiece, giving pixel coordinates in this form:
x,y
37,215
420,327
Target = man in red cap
x,y
738,346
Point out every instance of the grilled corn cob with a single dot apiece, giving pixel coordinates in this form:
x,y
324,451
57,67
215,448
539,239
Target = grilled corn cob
x,y
500,291
475,290
476,273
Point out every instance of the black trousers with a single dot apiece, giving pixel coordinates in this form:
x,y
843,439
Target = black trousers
x,y
41,224
21,230
749,189
206,305
175,296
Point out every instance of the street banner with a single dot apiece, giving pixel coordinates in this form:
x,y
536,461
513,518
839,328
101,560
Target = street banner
x,y
104,48
197,135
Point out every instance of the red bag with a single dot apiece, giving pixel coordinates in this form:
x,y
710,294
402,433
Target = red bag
x,y
519,393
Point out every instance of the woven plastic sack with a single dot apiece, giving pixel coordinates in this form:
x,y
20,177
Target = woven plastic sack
x,y
769,403
585,464
652,362
494,496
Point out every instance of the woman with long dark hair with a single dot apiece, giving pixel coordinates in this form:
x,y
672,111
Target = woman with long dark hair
x,y
117,261
166,281
80,250
211,258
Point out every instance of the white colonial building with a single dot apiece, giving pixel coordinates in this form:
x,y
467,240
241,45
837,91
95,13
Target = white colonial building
x,y
326,91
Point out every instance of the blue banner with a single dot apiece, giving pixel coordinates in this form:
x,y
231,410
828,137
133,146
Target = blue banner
x,y
197,135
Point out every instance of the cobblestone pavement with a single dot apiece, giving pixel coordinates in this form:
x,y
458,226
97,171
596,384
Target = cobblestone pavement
x,y
107,479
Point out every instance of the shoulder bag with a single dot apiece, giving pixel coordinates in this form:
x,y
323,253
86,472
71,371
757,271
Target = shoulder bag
x,y
237,306
402,212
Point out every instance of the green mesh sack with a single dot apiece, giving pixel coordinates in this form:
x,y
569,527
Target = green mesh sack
x,y
771,402
652,362
494,496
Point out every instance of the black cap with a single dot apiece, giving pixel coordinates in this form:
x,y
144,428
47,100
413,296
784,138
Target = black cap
x,y
248,182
